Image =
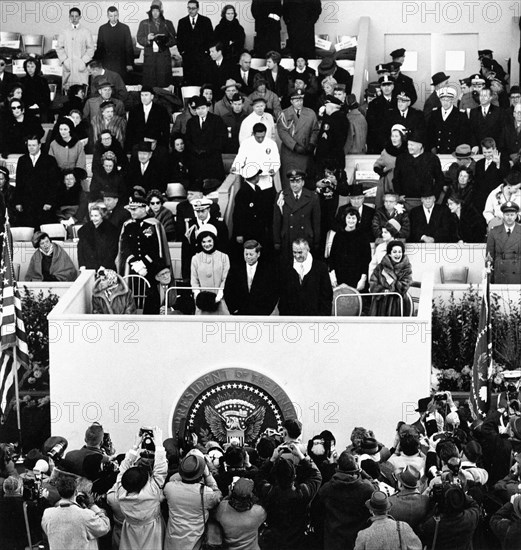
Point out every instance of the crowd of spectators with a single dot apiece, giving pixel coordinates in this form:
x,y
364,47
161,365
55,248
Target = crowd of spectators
x,y
288,128
446,482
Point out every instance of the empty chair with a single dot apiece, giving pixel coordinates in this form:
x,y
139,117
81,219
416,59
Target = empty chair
x,y
175,191
172,206
22,233
33,41
258,63
139,287
10,40
454,274
347,301
287,63
189,91
54,230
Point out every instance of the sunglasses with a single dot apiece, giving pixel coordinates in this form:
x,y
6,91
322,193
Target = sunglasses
x,y
17,108
154,202
2,64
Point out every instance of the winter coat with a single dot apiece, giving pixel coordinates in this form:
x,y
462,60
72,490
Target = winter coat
x,y
168,222
231,34
75,49
387,534
390,277
68,155
98,246
350,256
120,302
62,268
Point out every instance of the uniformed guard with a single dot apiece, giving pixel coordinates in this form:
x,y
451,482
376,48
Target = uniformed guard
x,y
332,135
504,247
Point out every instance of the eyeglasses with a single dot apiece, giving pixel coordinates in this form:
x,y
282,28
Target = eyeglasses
x,y
16,108
154,202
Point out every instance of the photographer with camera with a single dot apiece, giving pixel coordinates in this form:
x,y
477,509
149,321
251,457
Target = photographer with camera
x,y
287,486
76,522
139,491
191,494
234,463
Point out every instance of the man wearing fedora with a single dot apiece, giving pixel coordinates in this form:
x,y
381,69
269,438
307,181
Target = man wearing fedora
x,y
439,80
99,74
329,67
142,243
298,130
224,105
463,155
104,92
384,532
448,127
145,116
504,247
205,136
409,505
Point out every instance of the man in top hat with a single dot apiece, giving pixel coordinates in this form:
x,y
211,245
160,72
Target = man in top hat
x,y
104,92
485,121
357,135
194,35
145,116
332,135
384,531
298,130
448,127
430,222
296,214
409,505
146,170
253,210
504,247
142,243
205,137
379,116
233,120
203,215
99,74
224,105
406,115
416,170
329,67
439,80
251,286
402,83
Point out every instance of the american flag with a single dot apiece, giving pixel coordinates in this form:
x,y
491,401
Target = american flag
x,y
482,367
12,330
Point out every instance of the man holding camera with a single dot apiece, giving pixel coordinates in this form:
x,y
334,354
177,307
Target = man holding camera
x,y
76,522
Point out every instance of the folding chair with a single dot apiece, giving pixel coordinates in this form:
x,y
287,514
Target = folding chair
x,y
454,274
139,287
54,230
36,41
175,191
347,301
22,233
10,39
189,91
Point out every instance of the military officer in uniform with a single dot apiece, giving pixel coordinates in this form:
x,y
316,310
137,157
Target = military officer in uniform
x,y
504,247
143,243
332,136
402,82
298,131
448,127
379,114
296,215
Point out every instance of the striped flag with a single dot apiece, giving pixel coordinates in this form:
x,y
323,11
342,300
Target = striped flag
x,y
12,330
480,394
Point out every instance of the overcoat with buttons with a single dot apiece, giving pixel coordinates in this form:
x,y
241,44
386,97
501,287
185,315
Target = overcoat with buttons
x,y
505,251
297,220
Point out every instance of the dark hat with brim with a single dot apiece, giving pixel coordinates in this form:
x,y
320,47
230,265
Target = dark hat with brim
x,y
105,84
409,477
463,151
148,89
297,94
400,52
509,206
438,78
211,184
199,101
417,135
145,147
355,190
191,468
369,446
378,502
296,174
423,404
110,194
481,53
327,66
334,100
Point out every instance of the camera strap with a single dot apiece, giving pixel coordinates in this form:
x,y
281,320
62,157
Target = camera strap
x,y
435,538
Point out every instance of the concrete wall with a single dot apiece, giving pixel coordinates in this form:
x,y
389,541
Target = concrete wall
x,y
128,371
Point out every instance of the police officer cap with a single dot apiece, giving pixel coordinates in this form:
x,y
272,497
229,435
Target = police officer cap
x,y
509,207
294,174
400,52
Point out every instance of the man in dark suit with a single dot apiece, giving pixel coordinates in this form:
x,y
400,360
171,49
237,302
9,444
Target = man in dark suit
x,y
305,287
379,115
504,247
194,34
267,15
145,116
219,69
296,214
300,17
403,83
204,138
115,49
100,75
430,222
6,80
37,179
244,74
423,410
145,170
356,200
332,135
448,127
404,114
489,173
485,121
251,286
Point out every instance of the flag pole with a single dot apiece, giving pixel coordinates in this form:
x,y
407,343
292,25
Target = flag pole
x,y
488,265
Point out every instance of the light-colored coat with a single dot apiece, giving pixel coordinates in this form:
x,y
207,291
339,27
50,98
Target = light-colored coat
x,y
75,49
384,535
143,526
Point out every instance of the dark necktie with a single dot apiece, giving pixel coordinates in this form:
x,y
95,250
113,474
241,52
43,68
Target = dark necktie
x,y
508,232
193,22
298,113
